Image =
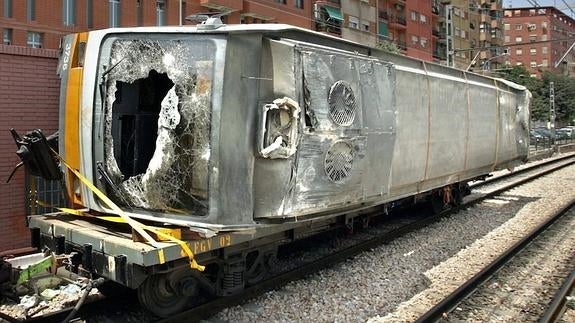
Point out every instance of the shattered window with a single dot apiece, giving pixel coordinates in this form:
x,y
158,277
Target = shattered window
x,y
157,110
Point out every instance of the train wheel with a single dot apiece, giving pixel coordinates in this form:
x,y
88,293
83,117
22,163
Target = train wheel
x,y
437,203
256,269
457,195
167,294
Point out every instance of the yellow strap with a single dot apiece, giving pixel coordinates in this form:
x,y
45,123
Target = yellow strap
x,y
139,227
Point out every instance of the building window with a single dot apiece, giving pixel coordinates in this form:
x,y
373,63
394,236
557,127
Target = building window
x,y
423,18
114,13
507,38
89,16
414,39
140,12
8,8
34,39
353,22
414,15
160,13
544,50
31,10
544,63
518,26
518,39
299,4
543,37
365,25
7,36
507,26
69,12
423,41
519,64
508,13
533,64
533,51
519,51
531,27
281,1
517,13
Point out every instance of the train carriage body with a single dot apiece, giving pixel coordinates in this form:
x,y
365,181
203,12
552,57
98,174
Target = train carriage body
x,y
260,129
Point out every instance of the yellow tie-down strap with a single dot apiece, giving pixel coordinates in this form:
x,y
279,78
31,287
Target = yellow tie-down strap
x,y
137,226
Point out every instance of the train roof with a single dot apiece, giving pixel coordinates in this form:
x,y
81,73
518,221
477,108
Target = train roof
x,y
296,33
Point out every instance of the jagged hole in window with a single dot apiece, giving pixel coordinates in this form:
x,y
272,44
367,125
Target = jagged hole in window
x,y
157,110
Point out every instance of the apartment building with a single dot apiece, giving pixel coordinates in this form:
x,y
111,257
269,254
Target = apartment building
x,y
538,38
360,21
41,23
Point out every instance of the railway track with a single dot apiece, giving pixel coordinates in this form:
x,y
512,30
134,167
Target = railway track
x,y
558,306
525,175
402,226
443,308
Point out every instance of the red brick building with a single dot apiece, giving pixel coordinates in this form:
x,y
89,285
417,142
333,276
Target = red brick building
x,y
29,92
41,23
538,38
29,86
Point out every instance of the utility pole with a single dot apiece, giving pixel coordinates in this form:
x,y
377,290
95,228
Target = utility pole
x,y
552,111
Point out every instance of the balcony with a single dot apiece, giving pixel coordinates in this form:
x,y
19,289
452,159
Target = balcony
x,y
328,28
436,32
397,22
223,5
439,54
383,15
333,3
401,45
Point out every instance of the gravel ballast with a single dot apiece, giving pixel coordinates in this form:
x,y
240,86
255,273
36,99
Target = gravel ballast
x,y
398,281
418,269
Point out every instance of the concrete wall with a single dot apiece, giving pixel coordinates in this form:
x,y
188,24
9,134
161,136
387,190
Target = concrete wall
x,y
29,93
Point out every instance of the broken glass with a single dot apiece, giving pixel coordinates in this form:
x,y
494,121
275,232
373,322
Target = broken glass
x,y
157,123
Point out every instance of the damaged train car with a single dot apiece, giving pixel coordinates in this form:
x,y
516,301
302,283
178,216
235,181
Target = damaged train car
x,y
233,140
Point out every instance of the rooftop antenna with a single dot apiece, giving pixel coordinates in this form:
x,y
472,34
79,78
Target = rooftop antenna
x,y
208,20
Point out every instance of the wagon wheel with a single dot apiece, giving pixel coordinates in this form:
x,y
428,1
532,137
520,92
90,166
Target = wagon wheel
x,y
437,203
457,195
256,269
162,295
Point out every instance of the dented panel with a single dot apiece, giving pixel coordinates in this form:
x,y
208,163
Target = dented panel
x,y
348,125
158,95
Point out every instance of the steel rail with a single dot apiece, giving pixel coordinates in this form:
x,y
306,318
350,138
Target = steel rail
x,y
526,169
452,300
212,307
557,307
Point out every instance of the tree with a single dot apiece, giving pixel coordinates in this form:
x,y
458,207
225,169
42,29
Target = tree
x,y
540,100
564,93
564,96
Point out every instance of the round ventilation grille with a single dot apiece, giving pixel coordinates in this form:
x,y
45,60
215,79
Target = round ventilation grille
x,y
339,161
342,103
